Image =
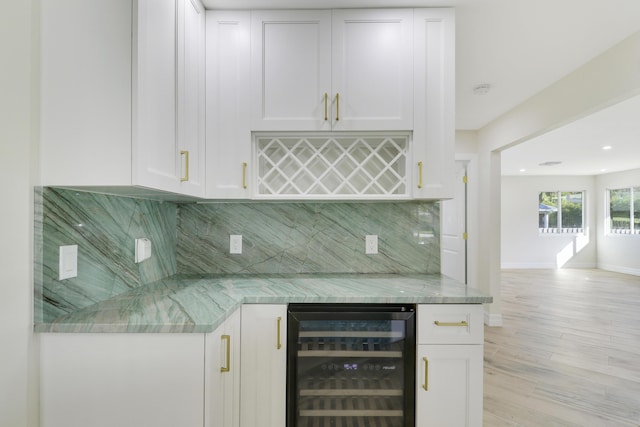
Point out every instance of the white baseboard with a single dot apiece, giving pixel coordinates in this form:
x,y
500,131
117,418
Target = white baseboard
x,y
527,265
544,265
619,269
494,319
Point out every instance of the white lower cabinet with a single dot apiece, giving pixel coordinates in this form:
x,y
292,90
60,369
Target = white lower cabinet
x,y
449,386
264,365
124,380
449,366
157,379
222,374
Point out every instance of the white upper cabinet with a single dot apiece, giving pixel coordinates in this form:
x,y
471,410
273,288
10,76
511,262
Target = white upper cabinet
x,y
291,70
85,92
318,70
372,87
122,94
168,96
434,110
191,97
155,159
228,105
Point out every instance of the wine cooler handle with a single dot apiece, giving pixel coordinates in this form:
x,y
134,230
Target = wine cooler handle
x,y
279,343
227,365
426,374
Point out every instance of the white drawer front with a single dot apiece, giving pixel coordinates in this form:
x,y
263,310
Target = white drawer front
x,y
450,324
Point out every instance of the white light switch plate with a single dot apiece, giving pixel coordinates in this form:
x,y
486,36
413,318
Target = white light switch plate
x,y
235,244
68,262
142,250
371,244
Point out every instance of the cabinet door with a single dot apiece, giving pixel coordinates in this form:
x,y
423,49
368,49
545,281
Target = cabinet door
x,y
291,70
372,74
264,360
155,150
222,374
85,99
449,386
191,97
106,380
228,105
434,115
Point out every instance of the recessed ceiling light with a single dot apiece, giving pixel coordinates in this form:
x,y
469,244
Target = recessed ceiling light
x,y
603,170
523,170
550,163
607,147
482,89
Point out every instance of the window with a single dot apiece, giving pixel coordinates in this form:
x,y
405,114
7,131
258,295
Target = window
x,y
561,212
624,211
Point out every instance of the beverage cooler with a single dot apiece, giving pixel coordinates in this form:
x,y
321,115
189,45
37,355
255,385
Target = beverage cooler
x,y
351,365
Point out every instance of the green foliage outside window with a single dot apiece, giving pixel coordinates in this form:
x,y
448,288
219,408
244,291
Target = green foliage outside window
x,y
562,211
624,210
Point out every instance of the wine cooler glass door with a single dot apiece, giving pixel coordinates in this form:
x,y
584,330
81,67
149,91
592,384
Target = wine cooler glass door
x,y
352,369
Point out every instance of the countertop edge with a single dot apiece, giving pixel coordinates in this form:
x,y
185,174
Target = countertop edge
x,y
219,293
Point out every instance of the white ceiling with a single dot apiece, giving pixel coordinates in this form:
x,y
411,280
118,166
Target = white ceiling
x,y
578,145
519,47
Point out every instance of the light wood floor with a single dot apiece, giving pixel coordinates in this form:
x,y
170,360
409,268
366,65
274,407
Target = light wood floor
x,y
568,353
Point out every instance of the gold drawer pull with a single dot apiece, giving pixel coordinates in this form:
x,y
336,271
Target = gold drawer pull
x,y
227,366
244,175
419,174
426,374
326,112
337,107
279,343
463,323
185,177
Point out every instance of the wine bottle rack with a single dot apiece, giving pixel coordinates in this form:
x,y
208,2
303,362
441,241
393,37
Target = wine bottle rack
x,y
333,165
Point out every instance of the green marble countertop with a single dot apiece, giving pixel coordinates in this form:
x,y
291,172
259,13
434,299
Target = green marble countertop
x,y
197,304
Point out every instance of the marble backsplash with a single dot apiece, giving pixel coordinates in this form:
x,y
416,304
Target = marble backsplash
x,y
278,237
309,237
104,228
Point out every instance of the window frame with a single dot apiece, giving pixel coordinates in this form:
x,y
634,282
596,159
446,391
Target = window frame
x,y
634,196
558,230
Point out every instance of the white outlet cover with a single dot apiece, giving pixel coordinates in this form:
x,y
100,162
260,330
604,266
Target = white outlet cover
x,y
235,244
371,244
142,250
68,262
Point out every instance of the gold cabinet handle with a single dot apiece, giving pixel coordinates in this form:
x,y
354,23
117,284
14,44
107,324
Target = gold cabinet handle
x,y
326,108
244,175
185,154
337,107
227,366
419,174
463,323
426,374
279,343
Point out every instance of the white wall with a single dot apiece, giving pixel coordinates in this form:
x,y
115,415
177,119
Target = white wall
x,y
619,253
18,344
521,244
